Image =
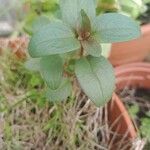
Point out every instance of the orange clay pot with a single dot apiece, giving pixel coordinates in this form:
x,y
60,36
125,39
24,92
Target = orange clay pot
x,y
119,118
133,75
131,51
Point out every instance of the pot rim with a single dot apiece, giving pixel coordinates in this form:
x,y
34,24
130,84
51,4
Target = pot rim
x,y
123,72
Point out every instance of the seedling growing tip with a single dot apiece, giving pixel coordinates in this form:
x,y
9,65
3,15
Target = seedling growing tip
x,y
79,36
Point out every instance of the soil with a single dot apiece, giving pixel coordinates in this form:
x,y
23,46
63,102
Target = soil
x,y
144,95
141,97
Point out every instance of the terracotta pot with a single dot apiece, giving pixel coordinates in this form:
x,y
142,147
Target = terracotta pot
x,y
119,120
131,51
133,75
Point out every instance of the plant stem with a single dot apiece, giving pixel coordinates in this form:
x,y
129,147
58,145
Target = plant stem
x,y
81,51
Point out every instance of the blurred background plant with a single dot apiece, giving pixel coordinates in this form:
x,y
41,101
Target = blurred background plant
x,y
19,15
37,8
10,15
132,8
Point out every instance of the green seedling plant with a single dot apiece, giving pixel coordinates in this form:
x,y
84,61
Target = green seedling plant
x,y
64,49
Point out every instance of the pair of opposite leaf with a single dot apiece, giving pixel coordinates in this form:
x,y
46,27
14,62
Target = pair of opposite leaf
x,y
80,29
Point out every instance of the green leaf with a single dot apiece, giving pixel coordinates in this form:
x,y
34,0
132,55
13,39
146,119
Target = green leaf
x,y
71,10
96,77
113,27
33,64
61,93
34,22
28,22
84,23
133,110
92,47
39,23
54,38
89,6
51,70
71,66
145,128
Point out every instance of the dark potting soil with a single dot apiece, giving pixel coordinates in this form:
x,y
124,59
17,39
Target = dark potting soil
x,y
145,17
141,98
144,95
